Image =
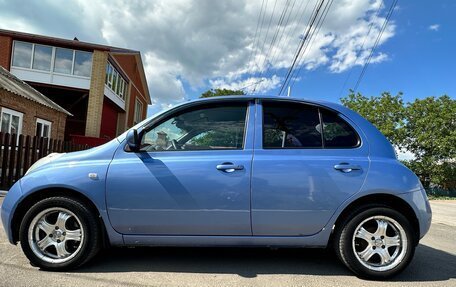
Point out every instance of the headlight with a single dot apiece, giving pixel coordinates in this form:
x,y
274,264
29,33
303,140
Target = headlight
x,y
45,160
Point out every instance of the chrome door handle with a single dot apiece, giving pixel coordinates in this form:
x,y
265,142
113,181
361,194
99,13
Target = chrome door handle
x,y
229,167
345,167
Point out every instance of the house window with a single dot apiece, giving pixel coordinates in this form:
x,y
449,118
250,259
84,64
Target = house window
x,y
42,58
63,61
115,82
82,63
11,121
138,111
43,128
22,54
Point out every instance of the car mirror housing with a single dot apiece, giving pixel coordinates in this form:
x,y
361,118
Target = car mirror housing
x,y
133,140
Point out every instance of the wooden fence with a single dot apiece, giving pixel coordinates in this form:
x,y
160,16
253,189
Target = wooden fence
x,y
18,153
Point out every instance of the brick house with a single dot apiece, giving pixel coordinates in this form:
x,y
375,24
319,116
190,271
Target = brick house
x,y
24,110
103,87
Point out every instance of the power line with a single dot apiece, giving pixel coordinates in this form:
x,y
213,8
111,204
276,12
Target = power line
x,y
261,27
256,32
279,40
385,23
304,40
310,43
274,38
361,49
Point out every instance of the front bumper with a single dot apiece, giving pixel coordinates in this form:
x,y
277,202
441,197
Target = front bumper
x,y
8,207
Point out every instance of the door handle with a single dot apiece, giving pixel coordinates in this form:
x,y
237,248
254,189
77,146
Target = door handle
x,y
229,167
346,167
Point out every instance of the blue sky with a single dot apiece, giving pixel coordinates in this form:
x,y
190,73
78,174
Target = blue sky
x,y
421,59
191,46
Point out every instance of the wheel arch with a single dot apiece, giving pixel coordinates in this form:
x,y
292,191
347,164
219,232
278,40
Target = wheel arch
x,y
380,199
32,198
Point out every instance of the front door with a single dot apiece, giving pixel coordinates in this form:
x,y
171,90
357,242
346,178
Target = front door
x,y
192,176
307,161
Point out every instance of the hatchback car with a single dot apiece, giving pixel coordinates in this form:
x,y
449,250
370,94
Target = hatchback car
x,y
228,171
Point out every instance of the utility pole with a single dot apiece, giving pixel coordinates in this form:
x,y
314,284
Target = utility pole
x,y
289,91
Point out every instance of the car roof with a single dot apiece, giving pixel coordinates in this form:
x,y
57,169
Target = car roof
x,y
268,97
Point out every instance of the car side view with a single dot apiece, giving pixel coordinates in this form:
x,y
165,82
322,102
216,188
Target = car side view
x,y
227,171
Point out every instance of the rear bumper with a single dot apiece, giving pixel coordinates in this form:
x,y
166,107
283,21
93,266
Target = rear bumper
x,y
8,207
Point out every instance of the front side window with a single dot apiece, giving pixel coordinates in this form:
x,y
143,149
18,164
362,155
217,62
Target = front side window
x,y
209,128
22,54
42,56
11,121
43,128
63,60
290,125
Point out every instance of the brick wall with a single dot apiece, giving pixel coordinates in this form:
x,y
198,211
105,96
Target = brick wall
x,y
96,94
32,111
5,51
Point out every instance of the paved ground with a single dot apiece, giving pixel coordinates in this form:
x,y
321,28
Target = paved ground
x,y
434,265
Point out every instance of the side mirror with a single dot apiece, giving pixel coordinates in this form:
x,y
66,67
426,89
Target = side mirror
x,y
133,140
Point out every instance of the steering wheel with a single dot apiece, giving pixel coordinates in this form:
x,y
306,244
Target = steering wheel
x,y
175,144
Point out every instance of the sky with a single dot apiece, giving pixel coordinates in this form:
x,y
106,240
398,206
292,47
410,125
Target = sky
x,y
190,46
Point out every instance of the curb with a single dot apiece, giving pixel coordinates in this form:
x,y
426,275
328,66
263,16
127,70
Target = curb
x,y
3,193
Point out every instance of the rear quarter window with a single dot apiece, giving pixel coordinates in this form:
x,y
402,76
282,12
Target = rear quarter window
x,y
337,133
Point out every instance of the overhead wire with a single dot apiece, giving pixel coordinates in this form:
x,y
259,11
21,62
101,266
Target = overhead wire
x,y
256,33
361,49
385,23
295,75
303,41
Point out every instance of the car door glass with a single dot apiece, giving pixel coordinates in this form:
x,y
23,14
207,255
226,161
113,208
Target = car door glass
x,y
337,132
291,125
207,128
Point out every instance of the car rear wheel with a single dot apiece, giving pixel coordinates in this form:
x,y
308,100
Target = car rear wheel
x,y
375,242
59,233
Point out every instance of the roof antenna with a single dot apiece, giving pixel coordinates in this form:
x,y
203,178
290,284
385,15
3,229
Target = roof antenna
x,y
75,39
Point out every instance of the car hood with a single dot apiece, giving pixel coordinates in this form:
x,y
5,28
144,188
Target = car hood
x,y
102,152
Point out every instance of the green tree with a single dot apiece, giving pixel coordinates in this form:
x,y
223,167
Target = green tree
x,y
431,136
221,92
386,112
431,128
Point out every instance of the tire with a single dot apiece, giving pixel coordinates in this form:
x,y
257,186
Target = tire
x,y
359,244
59,233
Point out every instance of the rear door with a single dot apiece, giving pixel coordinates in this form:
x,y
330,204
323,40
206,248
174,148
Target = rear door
x,y
307,161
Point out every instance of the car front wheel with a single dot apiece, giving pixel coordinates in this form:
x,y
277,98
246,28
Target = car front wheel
x,y
375,243
59,233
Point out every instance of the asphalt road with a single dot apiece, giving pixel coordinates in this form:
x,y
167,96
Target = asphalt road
x,y
434,265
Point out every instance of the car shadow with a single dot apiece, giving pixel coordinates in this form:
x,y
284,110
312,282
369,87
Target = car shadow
x,y
429,264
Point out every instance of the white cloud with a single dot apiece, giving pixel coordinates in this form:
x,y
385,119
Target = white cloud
x,y
249,85
434,27
202,44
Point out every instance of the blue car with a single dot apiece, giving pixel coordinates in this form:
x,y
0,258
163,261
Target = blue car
x,y
227,171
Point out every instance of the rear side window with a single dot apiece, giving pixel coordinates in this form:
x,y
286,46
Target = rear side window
x,y
338,133
290,125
